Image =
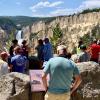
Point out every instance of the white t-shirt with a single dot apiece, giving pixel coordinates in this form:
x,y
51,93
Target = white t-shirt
x,y
3,68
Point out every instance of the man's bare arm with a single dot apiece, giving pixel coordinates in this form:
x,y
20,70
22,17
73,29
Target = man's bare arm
x,y
44,80
76,83
10,67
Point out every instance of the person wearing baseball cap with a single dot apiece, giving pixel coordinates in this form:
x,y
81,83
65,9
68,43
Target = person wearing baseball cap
x,y
4,55
84,55
4,69
61,71
61,50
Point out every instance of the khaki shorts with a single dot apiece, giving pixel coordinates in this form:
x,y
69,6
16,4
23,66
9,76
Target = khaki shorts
x,y
51,96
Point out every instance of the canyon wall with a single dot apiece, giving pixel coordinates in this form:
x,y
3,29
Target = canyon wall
x,y
7,30
73,27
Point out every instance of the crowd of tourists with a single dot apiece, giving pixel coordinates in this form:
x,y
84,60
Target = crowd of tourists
x,y
64,74
44,49
89,53
15,60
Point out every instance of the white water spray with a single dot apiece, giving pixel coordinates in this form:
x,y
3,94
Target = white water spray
x,y
19,37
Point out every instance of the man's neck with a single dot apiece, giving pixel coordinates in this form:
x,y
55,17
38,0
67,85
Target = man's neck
x,y
63,55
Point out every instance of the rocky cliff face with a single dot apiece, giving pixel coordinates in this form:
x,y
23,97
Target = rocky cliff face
x,y
6,29
89,88
14,86
3,36
73,28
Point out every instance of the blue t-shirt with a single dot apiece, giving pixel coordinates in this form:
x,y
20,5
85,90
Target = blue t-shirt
x,y
61,72
19,63
48,53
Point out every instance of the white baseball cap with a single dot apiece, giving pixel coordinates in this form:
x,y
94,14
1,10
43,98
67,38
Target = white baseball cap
x,y
61,47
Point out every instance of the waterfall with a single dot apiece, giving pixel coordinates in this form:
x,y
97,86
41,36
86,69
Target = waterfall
x,y
19,37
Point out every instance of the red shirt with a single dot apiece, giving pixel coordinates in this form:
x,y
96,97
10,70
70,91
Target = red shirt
x,y
95,49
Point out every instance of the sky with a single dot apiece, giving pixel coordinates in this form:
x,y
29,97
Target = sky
x,y
45,8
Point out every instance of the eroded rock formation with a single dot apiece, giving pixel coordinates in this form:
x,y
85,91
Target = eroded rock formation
x,y
90,86
73,28
14,86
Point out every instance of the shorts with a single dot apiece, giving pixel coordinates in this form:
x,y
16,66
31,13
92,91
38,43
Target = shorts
x,y
63,96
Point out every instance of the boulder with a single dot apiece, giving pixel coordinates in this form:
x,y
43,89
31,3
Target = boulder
x,y
14,86
90,86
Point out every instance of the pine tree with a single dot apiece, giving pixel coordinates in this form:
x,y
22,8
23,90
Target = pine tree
x,y
57,34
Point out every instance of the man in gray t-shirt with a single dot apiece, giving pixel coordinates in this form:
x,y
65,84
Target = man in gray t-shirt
x,y
84,55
